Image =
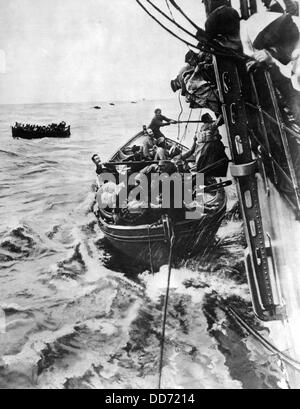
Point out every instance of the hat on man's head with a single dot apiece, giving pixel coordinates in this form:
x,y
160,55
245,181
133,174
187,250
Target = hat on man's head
x,y
223,20
282,31
206,118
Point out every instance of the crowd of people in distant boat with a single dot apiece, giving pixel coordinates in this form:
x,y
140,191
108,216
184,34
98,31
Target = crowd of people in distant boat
x,y
42,128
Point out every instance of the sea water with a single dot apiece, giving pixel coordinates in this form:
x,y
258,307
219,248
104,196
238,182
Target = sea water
x,y
75,314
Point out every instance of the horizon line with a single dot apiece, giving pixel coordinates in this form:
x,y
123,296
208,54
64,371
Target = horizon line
x,y
86,102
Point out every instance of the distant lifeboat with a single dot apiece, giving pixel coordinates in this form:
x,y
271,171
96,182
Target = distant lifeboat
x,y
41,132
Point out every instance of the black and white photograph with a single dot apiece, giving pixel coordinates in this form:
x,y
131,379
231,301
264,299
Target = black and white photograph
x,y
149,197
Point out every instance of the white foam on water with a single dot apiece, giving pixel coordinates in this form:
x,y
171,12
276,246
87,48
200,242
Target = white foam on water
x,y
156,284
212,281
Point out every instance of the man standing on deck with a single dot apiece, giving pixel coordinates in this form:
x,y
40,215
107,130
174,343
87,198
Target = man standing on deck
x,y
158,122
209,149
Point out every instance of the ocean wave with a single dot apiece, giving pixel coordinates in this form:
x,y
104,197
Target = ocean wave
x,y
22,242
79,314
11,154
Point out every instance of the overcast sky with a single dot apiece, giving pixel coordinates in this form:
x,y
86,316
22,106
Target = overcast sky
x,y
86,50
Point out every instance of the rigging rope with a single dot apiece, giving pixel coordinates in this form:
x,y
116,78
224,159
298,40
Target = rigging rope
x,y
164,27
213,45
171,241
172,20
175,5
168,5
205,44
150,250
179,116
197,129
186,126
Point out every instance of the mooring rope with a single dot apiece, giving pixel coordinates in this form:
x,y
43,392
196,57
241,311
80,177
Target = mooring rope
x,y
171,240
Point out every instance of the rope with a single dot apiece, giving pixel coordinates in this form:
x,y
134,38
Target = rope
x,y
205,45
172,20
168,5
186,127
263,341
179,116
150,250
212,44
162,346
164,27
273,120
174,4
213,165
198,125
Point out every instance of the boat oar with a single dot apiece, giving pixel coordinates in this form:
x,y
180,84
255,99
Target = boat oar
x,y
187,122
146,163
214,165
216,186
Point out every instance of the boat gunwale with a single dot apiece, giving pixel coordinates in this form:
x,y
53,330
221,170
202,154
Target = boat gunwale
x,y
138,135
157,226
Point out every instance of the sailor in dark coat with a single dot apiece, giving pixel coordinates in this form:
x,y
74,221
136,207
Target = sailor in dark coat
x,y
209,150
